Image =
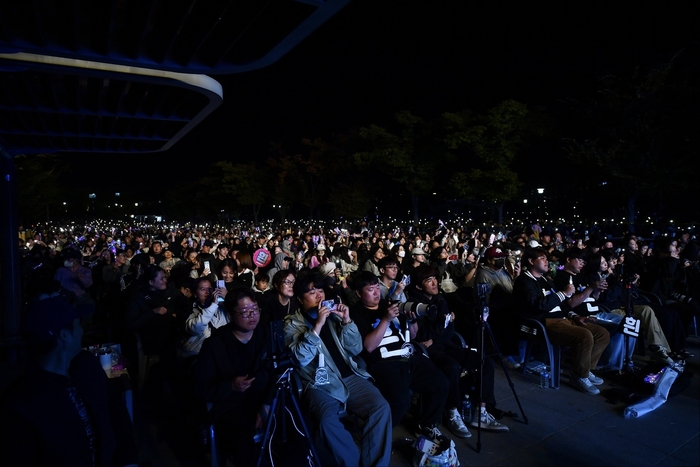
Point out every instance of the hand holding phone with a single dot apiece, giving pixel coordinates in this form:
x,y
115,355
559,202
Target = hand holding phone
x,y
221,291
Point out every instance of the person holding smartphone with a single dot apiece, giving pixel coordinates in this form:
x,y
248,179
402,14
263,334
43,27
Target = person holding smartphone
x,y
232,374
389,287
324,342
206,315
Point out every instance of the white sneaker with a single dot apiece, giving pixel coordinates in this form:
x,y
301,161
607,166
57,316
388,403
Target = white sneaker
x,y
584,385
488,423
596,381
510,363
453,421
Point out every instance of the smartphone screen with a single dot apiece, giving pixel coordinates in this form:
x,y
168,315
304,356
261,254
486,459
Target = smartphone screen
x,y
330,304
220,284
206,265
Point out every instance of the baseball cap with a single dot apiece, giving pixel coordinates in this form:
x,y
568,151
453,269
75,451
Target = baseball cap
x,y
418,251
327,269
494,252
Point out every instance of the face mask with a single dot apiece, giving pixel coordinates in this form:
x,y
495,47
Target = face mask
x,y
402,254
68,264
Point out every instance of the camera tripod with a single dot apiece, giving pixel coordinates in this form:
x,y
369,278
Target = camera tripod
x,y
482,291
283,392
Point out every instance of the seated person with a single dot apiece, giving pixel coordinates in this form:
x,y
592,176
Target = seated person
x,y
76,278
450,274
375,254
417,258
206,316
324,340
231,373
596,268
666,276
669,319
390,288
537,297
227,272
280,302
500,302
150,315
435,332
261,286
397,369
59,412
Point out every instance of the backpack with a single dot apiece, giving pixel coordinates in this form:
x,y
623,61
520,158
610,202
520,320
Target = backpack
x,y
435,453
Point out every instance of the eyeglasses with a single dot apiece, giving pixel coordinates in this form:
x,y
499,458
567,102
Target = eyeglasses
x,y
249,312
288,282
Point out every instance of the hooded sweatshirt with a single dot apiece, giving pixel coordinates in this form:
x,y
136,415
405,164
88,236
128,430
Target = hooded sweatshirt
x,y
277,265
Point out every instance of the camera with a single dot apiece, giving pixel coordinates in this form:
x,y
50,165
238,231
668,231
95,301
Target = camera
x,y
420,309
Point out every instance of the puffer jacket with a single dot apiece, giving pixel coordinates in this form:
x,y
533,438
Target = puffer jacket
x,y
306,347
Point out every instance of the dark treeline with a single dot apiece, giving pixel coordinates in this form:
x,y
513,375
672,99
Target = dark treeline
x,y
625,152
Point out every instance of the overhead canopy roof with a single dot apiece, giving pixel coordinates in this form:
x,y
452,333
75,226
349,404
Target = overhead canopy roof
x,y
50,104
205,36
128,75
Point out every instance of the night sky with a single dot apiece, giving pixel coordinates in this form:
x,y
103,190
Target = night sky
x,y
375,58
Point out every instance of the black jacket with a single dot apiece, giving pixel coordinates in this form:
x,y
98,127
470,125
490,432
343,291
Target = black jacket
x,y
537,298
40,424
433,326
222,358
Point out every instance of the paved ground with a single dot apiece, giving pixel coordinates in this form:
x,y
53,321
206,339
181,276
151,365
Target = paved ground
x,y
566,428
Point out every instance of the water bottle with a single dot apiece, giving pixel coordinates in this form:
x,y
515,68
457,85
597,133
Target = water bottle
x,y
544,379
466,409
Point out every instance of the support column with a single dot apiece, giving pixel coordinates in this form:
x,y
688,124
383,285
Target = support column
x,y
10,286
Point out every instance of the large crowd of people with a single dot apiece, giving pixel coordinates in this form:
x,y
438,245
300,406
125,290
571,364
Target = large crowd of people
x,y
372,315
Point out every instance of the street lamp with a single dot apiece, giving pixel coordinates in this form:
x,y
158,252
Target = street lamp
x,y
540,200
